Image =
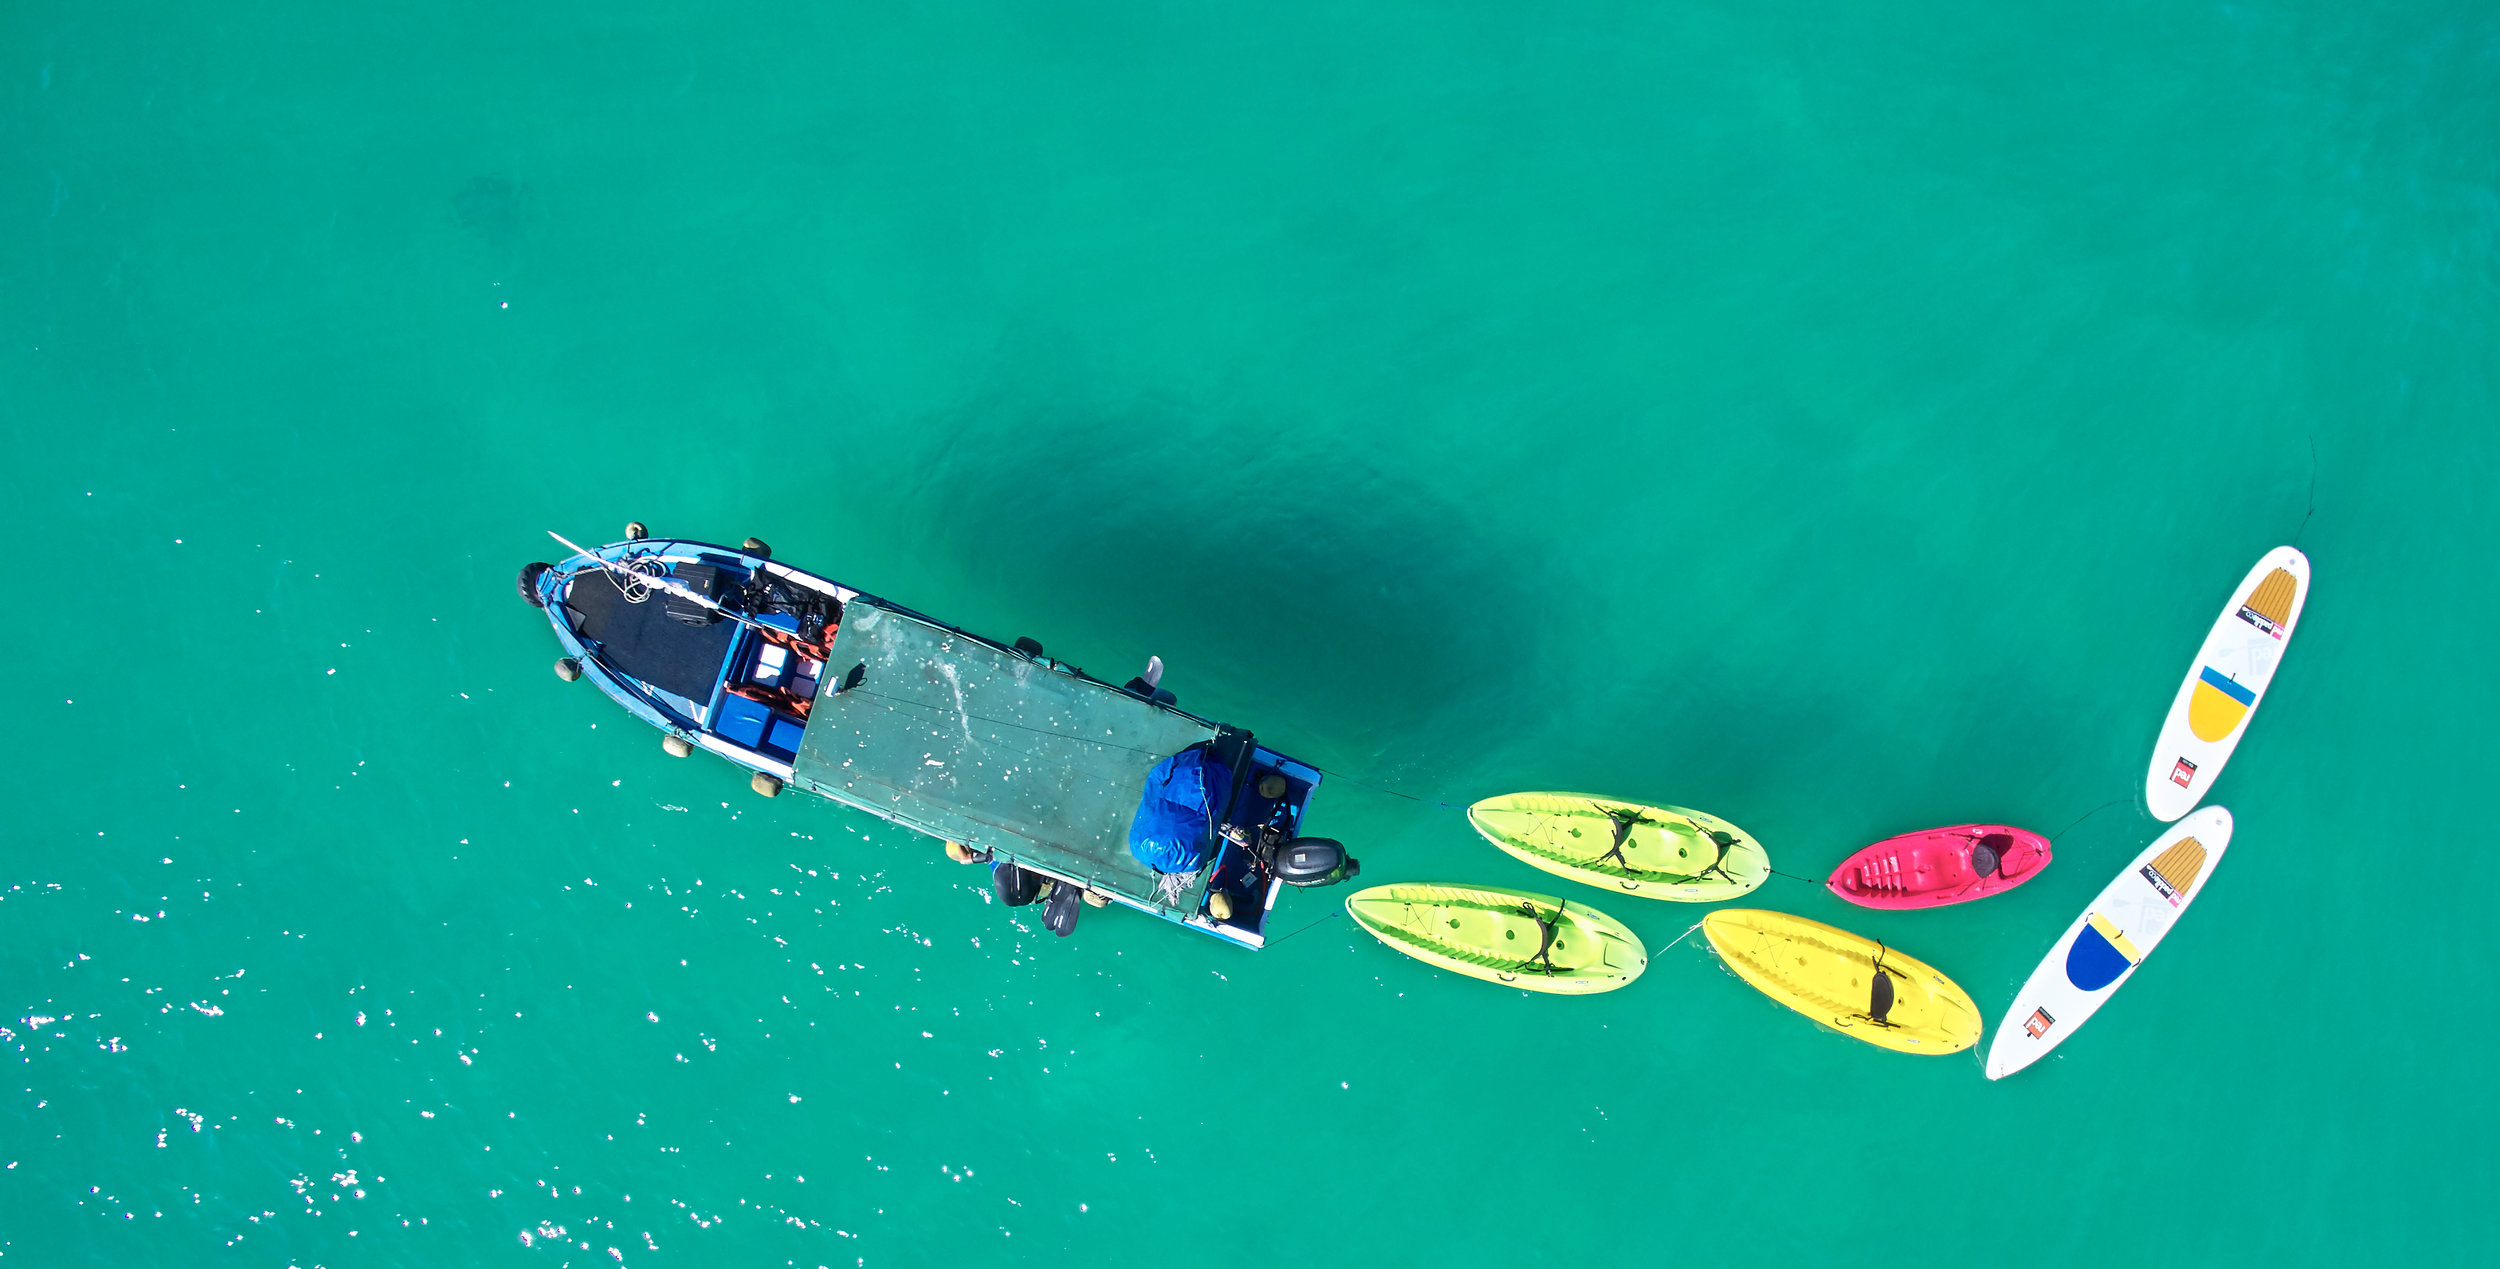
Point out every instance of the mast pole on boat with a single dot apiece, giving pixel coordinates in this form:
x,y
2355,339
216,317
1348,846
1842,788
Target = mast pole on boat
x,y
661,582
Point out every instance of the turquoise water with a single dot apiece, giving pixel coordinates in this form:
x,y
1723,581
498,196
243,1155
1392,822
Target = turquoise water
x,y
1840,419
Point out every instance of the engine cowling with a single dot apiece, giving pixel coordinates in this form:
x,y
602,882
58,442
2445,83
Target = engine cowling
x,y
1314,861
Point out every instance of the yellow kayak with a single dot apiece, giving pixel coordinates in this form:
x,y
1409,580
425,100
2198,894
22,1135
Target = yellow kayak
x,y
1533,942
1656,852
1854,985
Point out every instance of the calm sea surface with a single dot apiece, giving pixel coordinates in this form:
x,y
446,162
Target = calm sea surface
x,y
1842,418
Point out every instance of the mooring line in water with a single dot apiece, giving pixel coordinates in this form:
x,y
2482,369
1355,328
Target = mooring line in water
x,y
1365,784
1312,926
1688,933
2313,491
2085,816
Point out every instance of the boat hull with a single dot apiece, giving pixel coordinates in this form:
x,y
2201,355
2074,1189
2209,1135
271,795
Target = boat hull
x,y
1011,756
1511,938
1828,975
1935,867
1656,852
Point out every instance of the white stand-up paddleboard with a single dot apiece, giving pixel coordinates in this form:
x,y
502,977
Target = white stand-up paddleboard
x,y
2225,682
2113,936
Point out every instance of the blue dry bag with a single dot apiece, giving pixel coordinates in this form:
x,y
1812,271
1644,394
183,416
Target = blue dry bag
x,y
1175,821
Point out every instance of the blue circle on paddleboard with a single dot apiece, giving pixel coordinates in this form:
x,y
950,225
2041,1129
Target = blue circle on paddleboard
x,y
2092,963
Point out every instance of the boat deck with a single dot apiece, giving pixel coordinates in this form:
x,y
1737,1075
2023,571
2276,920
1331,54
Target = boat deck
x,y
637,640
952,735
960,739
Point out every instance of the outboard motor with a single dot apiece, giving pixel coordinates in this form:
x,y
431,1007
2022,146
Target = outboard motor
x,y
1314,861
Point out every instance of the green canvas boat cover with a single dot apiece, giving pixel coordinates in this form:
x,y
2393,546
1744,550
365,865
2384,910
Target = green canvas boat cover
x,y
965,741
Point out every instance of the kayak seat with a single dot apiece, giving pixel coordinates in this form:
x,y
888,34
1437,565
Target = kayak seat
x,y
1987,855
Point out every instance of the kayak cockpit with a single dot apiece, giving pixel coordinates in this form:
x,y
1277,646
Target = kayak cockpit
x,y
1940,866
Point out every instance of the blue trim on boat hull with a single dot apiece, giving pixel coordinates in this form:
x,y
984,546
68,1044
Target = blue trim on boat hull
x,y
658,708
633,694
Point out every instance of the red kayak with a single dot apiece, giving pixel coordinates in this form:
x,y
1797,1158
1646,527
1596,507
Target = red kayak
x,y
1940,866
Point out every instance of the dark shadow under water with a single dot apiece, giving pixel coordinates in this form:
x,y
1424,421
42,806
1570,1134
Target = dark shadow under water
x,y
1315,591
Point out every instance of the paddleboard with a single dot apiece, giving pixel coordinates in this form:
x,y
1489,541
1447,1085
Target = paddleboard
x,y
1940,866
2102,949
2226,682
1534,942
1656,852
1853,985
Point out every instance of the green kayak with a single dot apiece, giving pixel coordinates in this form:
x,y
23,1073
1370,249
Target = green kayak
x,y
1656,852
1533,942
